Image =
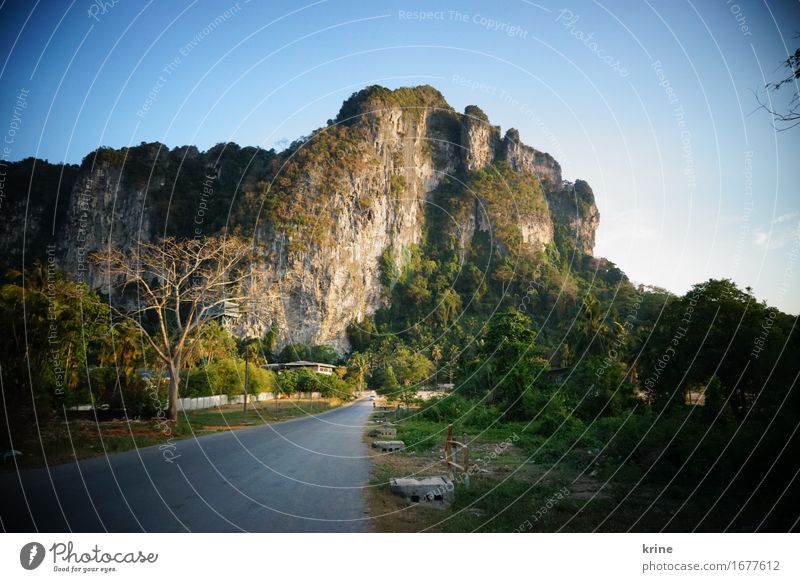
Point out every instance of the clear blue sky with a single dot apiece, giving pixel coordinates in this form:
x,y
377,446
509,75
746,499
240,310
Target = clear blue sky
x,y
691,182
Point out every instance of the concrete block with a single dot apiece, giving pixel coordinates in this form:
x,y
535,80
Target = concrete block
x,y
435,491
389,446
383,431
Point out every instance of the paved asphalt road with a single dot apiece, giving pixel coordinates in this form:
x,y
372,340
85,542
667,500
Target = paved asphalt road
x,y
302,475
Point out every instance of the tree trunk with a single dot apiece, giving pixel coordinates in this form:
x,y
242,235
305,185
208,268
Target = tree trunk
x,y
172,396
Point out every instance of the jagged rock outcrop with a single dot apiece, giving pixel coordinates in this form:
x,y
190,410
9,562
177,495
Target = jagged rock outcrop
x,y
324,213
572,206
524,158
479,139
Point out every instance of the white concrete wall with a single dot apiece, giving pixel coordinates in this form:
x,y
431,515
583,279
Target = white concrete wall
x,y
204,402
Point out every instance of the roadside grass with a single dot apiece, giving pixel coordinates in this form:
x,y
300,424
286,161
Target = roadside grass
x,y
58,441
257,413
526,481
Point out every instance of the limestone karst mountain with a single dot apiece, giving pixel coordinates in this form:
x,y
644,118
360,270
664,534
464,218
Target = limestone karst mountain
x,y
326,213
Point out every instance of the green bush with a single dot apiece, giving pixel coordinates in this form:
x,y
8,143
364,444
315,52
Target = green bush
x,y
222,377
261,380
450,408
333,386
196,382
303,380
483,416
547,407
111,387
142,398
227,377
599,387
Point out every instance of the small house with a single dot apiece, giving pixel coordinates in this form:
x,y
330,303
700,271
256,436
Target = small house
x,y
318,367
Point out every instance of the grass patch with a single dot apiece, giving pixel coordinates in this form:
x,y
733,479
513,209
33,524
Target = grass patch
x,y
527,482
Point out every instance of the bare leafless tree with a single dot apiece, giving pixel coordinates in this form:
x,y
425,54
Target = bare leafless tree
x,y
181,285
788,117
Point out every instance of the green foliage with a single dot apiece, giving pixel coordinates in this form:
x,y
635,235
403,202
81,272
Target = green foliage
x,y
361,333
384,381
261,380
139,397
375,97
53,330
397,185
718,329
599,387
508,198
548,407
324,354
227,377
476,113
214,343
304,380
584,196
716,404
222,377
505,367
293,353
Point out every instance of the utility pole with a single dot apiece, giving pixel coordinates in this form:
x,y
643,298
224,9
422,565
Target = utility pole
x,y
246,379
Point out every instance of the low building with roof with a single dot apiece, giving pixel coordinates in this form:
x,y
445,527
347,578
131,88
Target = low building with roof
x,y
318,367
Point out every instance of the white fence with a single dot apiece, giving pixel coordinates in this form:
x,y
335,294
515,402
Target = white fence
x,y
204,402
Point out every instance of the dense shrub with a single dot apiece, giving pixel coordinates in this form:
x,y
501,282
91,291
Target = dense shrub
x,y
227,377
303,380
599,387
450,408
547,407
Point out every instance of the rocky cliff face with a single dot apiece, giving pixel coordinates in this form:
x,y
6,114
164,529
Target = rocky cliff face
x,y
326,212
523,158
572,206
102,214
